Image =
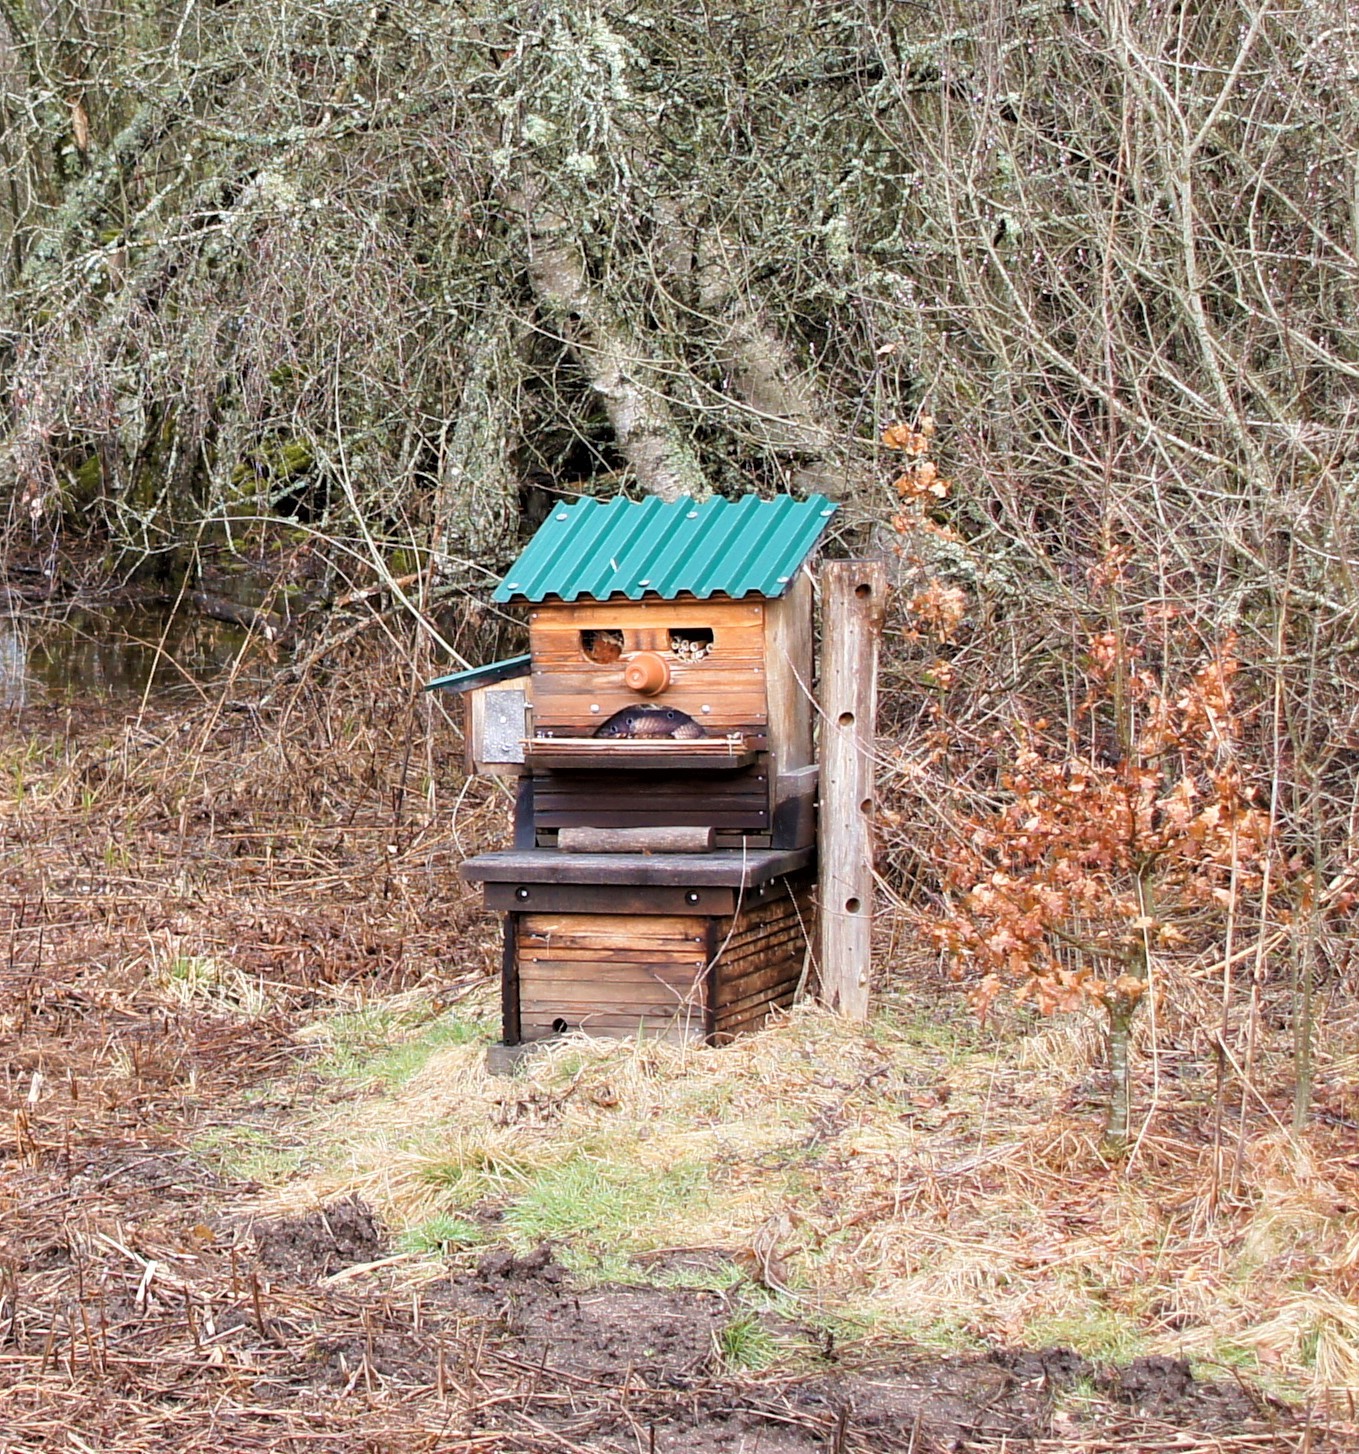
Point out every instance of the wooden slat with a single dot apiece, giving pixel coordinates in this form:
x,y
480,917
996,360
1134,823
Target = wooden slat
x,y
683,611
740,796
730,801
621,789
670,1032
604,997
772,986
762,955
679,785
760,920
631,940
746,932
623,1018
581,962
727,867
785,943
565,973
609,899
775,979
610,929
780,946
733,820
592,754
598,1019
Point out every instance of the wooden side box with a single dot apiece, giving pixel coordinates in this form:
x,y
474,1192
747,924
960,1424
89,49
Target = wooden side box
x,y
691,975
496,720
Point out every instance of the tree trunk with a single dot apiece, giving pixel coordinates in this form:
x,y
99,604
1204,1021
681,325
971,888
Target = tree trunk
x,y
476,509
784,410
1120,1078
86,199
619,364
1120,1003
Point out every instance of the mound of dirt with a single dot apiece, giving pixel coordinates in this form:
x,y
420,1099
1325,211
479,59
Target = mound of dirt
x,y
317,1244
664,1337
1166,1387
946,1401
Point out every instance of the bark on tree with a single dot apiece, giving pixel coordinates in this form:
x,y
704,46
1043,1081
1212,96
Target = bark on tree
x,y
476,508
620,366
85,200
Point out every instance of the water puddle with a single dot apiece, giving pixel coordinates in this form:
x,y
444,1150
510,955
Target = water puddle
x,y
121,653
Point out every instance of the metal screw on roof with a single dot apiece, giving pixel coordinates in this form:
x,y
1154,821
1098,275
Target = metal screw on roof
x,y
783,580
692,515
824,513
511,585
561,517
645,582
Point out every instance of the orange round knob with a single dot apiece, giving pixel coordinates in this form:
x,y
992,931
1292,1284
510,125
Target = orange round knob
x,y
647,673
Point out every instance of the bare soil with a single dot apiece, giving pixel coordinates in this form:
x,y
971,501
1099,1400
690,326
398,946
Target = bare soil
x,y
145,1304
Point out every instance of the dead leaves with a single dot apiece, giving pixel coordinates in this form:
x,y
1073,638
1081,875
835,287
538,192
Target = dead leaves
x,y
764,1259
1093,860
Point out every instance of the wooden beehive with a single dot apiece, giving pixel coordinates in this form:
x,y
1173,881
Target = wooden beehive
x,y
751,778
666,697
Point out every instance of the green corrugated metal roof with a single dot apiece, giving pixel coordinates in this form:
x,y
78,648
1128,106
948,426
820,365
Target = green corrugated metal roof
x,y
636,548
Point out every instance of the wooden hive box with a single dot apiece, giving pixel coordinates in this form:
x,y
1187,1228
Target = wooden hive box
x,y
734,669
674,976
669,691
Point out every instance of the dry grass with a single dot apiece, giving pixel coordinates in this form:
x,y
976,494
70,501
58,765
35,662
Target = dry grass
x,y
924,1179
235,949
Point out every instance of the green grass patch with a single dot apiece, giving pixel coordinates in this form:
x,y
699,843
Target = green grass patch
x,y
603,1207
386,1048
440,1235
249,1153
745,1343
478,1171
1098,1333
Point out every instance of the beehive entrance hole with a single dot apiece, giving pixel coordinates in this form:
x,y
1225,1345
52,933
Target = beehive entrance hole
x,y
601,647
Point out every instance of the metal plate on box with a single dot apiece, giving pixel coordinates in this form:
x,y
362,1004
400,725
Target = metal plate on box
x,y
502,723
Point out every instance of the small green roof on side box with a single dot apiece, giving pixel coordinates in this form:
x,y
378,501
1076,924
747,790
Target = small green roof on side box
x,y
482,676
634,548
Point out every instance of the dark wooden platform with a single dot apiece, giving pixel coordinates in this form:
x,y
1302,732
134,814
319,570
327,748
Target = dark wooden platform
x,y
729,867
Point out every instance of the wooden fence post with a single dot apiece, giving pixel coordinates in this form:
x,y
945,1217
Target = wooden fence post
x,y
853,604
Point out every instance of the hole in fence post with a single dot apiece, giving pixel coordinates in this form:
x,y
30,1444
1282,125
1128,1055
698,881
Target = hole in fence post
x,y
851,906
863,590
847,719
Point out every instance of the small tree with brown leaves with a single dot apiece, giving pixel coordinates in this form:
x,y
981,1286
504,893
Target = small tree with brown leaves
x,y
1106,848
